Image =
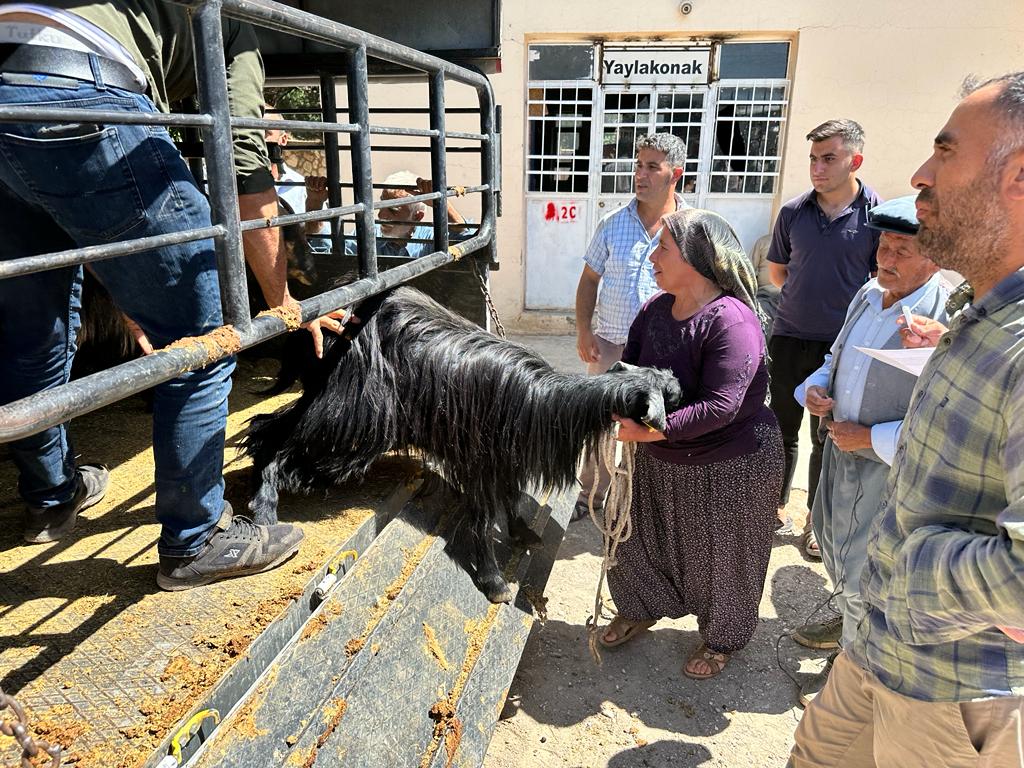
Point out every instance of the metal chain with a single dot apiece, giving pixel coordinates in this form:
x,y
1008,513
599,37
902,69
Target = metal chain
x,y
491,309
18,730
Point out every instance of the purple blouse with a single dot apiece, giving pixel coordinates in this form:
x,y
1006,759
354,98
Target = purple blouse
x,y
718,355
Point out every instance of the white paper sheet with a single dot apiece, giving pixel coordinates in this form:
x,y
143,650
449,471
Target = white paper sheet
x,y
910,360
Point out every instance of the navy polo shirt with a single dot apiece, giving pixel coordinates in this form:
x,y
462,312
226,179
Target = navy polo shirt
x,y
828,262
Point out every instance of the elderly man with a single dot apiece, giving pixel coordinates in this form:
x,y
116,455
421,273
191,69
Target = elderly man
x,y
862,402
935,675
399,229
616,262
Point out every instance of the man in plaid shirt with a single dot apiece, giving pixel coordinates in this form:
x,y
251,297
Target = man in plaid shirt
x,y
616,260
936,674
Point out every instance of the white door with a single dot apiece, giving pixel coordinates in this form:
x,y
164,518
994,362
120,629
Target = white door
x,y
558,230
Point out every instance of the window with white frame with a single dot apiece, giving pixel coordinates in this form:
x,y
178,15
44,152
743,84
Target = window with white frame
x,y
682,113
749,119
559,119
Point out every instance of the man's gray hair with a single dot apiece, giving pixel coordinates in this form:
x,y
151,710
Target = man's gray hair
x,y
670,145
849,130
1009,105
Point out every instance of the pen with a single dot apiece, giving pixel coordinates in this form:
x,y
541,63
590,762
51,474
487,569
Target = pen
x,y
909,318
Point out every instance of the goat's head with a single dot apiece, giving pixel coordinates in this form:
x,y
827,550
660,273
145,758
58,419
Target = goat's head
x,y
656,395
301,261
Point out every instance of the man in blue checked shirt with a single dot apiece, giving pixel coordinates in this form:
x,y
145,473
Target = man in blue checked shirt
x,y
935,675
618,277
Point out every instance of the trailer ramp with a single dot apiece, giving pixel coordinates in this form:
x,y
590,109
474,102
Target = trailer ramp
x,y
402,663
406,663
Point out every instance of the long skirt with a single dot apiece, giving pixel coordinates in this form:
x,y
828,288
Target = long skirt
x,y
702,536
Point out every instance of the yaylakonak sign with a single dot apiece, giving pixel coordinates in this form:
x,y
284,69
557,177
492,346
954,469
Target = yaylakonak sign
x,y
680,66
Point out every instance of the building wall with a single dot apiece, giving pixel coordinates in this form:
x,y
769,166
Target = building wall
x,y
895,67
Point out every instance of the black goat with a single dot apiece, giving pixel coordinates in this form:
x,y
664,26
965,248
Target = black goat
x,y
492,414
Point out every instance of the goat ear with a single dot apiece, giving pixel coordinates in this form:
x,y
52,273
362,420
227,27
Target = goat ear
x,y
621,367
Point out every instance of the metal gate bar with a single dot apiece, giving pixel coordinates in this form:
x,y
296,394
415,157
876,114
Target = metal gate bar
x,y
45,409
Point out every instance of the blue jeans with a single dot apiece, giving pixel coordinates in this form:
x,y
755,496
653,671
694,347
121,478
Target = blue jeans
x,y
83,185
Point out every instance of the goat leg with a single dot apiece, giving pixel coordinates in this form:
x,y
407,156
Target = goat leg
x,y
488,577
264,502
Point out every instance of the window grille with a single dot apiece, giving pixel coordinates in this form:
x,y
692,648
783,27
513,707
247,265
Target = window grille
x,y
559,125
627,116
748,136
682,114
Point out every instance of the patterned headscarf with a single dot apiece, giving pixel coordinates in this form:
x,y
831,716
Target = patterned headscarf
x,y
710,246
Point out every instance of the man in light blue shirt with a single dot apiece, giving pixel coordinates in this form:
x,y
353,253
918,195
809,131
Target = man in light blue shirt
x,y
618,277
862,403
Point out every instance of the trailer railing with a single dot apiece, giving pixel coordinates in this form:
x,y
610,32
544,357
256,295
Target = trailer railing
x,y
45,409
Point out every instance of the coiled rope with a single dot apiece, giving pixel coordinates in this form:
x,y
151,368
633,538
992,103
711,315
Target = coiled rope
x,y
613,521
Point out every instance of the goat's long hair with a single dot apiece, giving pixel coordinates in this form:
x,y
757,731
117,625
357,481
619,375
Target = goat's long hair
x,y
492,415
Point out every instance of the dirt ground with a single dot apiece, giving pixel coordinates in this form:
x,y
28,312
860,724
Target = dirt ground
x,y
638,709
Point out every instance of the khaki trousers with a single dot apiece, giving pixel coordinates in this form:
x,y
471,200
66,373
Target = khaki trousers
x,y
591,474
856,722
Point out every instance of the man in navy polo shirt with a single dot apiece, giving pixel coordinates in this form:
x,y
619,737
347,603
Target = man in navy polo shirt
x,y
822,252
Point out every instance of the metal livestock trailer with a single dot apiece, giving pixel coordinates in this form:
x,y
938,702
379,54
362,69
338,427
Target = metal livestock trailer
x,y
372,647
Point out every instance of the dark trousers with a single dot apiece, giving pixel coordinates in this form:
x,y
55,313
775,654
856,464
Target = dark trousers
x,y
793,360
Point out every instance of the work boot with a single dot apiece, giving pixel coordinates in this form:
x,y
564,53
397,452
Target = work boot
x,y
813,686
237,547
54,523
823,636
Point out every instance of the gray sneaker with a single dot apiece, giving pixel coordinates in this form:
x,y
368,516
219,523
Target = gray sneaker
x,y
810,689
238,547
824,636
54,523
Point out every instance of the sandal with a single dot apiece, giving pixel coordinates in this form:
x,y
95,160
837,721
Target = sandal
x,y
624,631
810,545
713,659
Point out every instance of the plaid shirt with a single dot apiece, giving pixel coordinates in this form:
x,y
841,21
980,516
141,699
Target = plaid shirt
x,y
946,553
618,253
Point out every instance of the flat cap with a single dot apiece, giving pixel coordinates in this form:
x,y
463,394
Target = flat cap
x,y
898,215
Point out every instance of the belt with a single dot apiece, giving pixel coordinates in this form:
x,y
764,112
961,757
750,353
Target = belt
x,y
62,62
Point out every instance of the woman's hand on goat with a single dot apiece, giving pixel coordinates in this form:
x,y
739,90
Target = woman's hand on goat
x,y
634,432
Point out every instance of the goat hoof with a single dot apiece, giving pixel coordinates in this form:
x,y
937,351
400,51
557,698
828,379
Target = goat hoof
x,y
503,595
497,590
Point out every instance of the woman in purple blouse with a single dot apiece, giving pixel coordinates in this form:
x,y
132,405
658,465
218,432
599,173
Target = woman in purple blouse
x,y
705,491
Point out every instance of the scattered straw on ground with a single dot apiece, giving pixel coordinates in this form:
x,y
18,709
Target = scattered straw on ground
x,y
317,624
411,560
434,648
447,726
333,713
290,316
538,601
106,601
215,344
57,726
244,723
